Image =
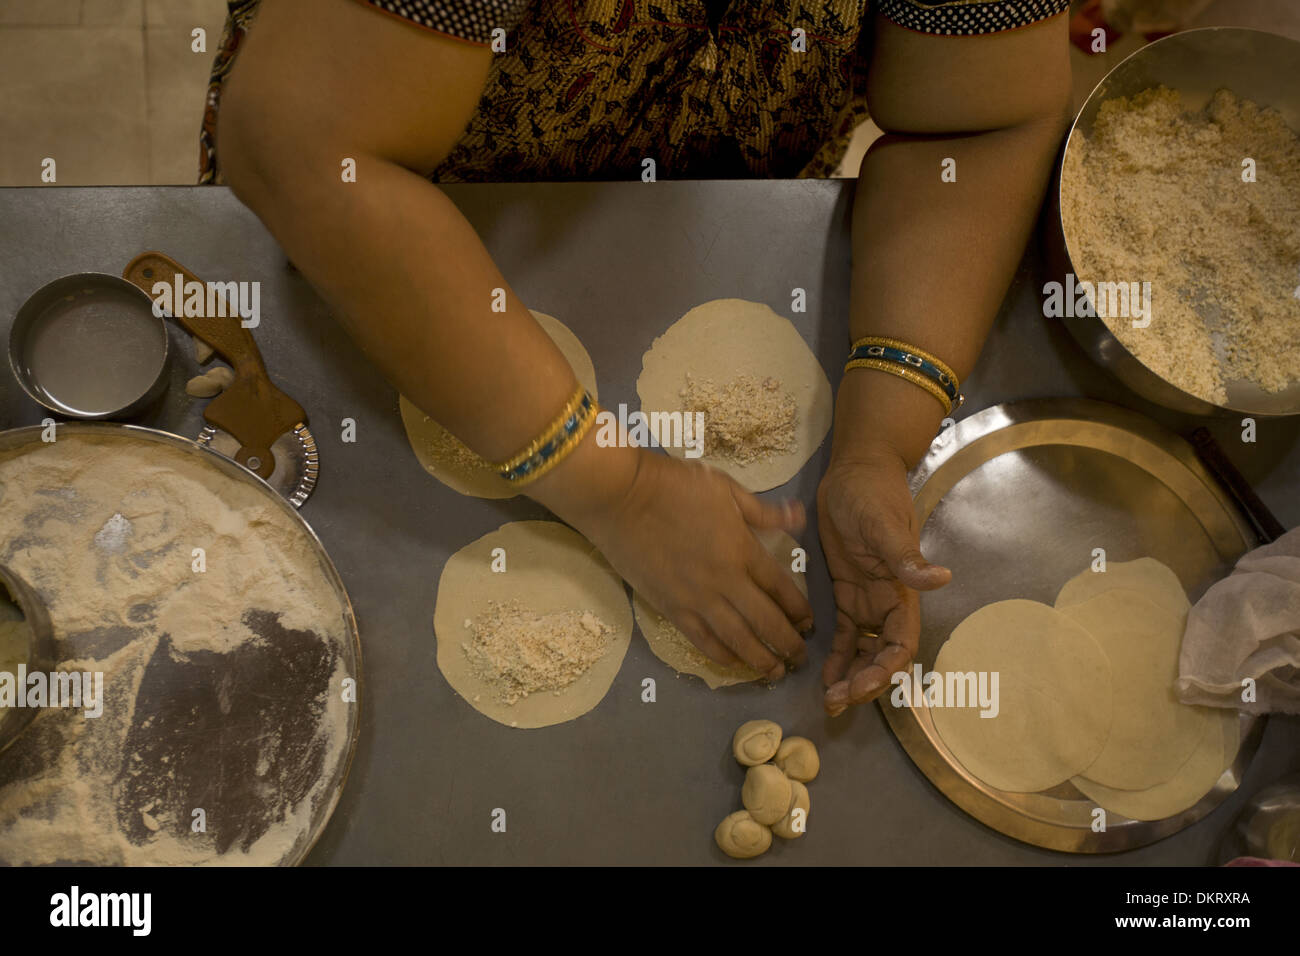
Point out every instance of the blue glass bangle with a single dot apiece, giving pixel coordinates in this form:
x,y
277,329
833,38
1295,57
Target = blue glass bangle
x,y
554,444
921,364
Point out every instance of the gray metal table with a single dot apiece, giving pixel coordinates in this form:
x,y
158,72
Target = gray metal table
x,y
629,782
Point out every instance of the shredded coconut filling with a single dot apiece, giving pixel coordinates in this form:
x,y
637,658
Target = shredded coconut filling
x,y
519,652
1156,194
745,420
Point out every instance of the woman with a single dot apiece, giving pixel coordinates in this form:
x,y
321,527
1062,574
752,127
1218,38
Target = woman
x,y
972,97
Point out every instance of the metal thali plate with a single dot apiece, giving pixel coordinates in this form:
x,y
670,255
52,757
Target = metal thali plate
x,y
217,733
1015,499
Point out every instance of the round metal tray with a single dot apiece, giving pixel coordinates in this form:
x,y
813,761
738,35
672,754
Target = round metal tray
x,y
297,851
1014,499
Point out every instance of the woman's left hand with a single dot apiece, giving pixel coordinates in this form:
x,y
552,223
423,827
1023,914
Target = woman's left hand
x,y
871,541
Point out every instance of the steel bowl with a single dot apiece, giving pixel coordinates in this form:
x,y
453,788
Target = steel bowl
x,y
1253,64
19,602
90,346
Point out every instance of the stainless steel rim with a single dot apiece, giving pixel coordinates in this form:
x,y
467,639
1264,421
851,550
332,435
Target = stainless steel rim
x,y
1092,333
1038,819
18,437
34,304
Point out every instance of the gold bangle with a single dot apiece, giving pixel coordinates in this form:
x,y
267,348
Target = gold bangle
x,y
916,378
906,347
554,444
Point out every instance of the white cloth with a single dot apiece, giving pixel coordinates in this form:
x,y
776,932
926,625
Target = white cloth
x,y
1247,625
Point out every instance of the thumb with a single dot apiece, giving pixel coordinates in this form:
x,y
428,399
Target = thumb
x,y
897,545
785,515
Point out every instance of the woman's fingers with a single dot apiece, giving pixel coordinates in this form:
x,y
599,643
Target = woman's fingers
x,y
732,629
843,650
853,599
875,660
766,619
698,633
866,680
774,577
902,627
897,543
786,515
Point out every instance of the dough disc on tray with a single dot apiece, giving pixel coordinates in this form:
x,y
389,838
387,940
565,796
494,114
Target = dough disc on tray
x,y
1054,706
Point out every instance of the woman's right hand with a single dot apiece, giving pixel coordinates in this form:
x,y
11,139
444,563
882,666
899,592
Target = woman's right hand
x,y
680,533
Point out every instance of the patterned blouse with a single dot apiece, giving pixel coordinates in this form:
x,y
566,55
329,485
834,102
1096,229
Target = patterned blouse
x,y
589,89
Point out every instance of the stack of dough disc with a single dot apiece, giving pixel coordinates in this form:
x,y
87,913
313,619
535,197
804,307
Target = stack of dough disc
x,y
1163,755
1053,696
1086,694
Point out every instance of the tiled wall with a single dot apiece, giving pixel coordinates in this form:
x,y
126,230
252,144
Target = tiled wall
x,y
108,88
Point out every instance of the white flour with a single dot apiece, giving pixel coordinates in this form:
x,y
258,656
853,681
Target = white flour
x,y
213,702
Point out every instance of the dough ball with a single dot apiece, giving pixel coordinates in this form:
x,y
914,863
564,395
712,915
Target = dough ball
x,y
766,793
200,386
203,352
212,382
726,342
784,828
797,758
756,742
448,459
742,837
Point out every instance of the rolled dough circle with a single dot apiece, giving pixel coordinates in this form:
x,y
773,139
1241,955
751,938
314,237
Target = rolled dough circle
x,y
726,338
549,567
444,456
1053,696
1215,750
676,650
1152,732
1147,576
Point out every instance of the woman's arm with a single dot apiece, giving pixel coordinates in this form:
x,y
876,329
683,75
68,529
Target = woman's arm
x,y
323,80
931,264
931,259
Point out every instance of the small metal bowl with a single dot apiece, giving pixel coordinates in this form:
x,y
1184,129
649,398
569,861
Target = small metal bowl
x,y
90,346
1255,65
19,602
